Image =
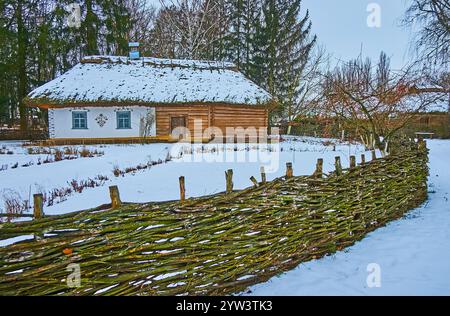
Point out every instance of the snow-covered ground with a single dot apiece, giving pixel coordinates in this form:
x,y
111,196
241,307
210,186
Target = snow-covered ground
x,y
204,172
412,254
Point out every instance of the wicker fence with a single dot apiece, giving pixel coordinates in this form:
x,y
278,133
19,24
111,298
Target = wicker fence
x,y
213,245
17,134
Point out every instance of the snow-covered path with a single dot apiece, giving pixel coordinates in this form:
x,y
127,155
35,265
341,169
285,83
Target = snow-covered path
x,y
413,253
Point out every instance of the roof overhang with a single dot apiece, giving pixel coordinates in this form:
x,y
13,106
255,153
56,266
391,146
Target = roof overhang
x,y
45,104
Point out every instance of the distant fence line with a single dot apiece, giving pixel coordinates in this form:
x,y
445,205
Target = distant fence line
x,y
17,134
437,123
218,244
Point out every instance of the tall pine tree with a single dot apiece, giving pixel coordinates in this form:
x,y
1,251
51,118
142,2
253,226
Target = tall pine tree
x,y
38,44
285,43
296,43
241,37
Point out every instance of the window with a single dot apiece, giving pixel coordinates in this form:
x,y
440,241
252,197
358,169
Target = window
x,y
124,120
79,120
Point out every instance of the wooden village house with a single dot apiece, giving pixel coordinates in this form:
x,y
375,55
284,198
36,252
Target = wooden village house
x,y
116,98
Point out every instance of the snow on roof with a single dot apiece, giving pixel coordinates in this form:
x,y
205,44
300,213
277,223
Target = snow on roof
x,y
437,107
114,79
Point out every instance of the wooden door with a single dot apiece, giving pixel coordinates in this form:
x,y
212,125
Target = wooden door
x,y
176,122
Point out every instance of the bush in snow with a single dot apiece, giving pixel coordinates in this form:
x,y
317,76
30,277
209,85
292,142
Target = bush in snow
x,y
14,203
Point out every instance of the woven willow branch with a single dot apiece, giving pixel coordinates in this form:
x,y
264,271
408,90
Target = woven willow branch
x,y
213,245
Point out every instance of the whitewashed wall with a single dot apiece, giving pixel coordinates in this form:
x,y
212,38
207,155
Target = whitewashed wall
x,y
60,122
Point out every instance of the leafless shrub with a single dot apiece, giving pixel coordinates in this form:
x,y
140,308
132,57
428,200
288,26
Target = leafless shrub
x,y
14,203
67,153
5,151
116,171
48,160
59,195
39,151
88,153
143,166
71,151
28,164
59,155
84,153
89,183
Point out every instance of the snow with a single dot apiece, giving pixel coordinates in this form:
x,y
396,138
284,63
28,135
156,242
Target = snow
x,y
412,253
199,64
204,172
10,241
169,275
106,289
106,79
439,107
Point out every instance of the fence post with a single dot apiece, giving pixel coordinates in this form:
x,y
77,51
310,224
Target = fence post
x,y
319,168
38,210
263,175
363,159
229,179
115,196
255,182
352,162
338,165
374,155
289,170
182,189
421,144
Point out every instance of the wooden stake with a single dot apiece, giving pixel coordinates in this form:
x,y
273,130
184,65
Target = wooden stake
x,y
115,197
338,165
263,175
255,182
374,155
289,170
182,189
352,162
319,168
421,144
363,159
38,210
229,179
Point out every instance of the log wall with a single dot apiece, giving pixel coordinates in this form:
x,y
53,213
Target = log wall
x,y
192,113
228,116
220,116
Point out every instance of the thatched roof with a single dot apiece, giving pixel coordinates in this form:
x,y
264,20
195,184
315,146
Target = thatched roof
x,y
112,80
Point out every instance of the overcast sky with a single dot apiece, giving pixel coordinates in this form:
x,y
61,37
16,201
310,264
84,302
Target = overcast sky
x,y
341,26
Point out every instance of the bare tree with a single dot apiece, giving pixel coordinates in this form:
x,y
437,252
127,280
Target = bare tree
x,y
142,20
147,124
432,17
195,23
309,90
164,36
376,101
